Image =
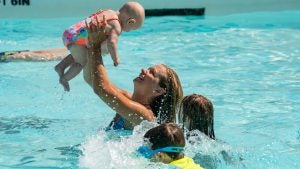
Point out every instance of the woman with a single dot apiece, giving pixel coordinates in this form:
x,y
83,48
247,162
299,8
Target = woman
x,y
157,90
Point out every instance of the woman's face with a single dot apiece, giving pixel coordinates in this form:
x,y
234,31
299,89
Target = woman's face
x,y
148,80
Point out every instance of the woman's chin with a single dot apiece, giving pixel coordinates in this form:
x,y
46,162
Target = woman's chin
x,y
137,80
138,84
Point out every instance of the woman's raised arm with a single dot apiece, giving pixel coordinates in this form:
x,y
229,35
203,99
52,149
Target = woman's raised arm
x,y
96,76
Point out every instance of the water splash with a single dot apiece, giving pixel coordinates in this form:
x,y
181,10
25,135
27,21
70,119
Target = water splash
x,y
116,149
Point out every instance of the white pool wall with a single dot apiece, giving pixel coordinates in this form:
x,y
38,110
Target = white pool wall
x,y
227,7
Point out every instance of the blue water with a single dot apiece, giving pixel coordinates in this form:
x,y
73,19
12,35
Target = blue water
x,y
247,64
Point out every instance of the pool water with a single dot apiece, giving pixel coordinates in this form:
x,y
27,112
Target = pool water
x,y
247,64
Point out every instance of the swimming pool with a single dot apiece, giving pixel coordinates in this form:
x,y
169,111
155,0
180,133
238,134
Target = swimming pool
x,y
247,64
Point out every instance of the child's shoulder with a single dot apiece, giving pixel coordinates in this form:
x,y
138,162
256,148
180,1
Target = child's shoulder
x,y
113,20
109,12
110,15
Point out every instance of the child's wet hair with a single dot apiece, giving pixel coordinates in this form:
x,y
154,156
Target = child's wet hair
x,y
165,135
199,110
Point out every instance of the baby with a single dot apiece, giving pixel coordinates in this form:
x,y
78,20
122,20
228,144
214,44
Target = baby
x,y
129,17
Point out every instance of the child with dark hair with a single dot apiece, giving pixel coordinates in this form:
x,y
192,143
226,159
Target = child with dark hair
x,y
197,113
165,143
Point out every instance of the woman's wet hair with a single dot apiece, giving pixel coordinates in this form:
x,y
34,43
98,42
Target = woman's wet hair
x,y
166,105
165,135
200,112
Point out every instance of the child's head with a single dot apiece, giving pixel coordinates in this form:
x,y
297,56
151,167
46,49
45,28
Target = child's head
x,y
197,113
164,143
132,16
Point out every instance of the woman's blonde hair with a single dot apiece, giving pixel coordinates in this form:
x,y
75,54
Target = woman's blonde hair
x,y
166,105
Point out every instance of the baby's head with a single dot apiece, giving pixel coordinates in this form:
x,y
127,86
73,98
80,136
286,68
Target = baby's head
x,y
132,16
164,143
197,113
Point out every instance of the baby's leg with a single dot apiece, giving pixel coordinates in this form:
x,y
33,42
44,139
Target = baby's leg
x,y
79,54
63,64
74,70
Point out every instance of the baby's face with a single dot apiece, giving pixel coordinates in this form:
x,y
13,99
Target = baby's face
x,y
133,17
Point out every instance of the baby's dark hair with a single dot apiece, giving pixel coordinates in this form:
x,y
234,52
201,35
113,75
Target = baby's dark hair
x,y
165,135
200,112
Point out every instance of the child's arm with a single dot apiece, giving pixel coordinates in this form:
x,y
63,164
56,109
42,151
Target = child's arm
x,y
112,46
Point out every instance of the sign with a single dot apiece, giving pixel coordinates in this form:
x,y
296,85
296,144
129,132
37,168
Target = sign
x,y
15,2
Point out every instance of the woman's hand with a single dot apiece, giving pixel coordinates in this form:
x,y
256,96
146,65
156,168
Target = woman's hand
x,y
96,33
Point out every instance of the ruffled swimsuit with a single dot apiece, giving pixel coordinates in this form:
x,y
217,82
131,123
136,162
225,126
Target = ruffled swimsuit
x,y
77,33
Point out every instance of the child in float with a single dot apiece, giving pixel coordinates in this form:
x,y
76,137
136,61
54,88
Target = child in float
x,y
165,143
129,17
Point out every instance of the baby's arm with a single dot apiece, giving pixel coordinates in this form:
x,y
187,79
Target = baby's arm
x,y
112,44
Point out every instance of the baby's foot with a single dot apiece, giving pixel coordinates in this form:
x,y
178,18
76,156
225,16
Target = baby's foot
x,y
59,71
65,84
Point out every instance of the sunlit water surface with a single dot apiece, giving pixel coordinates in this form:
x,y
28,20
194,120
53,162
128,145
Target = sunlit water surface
x,y
247,64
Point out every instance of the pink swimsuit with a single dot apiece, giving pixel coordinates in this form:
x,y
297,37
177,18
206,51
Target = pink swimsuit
x,y
77,33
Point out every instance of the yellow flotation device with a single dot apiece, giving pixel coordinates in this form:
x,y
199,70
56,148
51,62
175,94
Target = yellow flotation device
x,y
186,163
